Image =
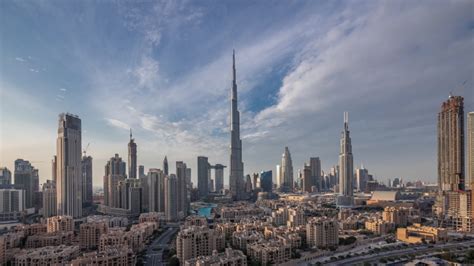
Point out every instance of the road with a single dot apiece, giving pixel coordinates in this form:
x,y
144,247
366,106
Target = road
x,y
399,252
154,252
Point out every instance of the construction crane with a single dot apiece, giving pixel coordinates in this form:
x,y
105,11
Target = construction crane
x,y
85,150
458,89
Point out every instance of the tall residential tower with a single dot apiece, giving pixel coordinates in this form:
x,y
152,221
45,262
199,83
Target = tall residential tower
x,y
451,144
68,169
286,172
236,177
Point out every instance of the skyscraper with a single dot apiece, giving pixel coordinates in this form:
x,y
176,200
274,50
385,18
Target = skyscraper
x,y
219,177
308,179
69,177
236,177
5,176
171,194
181,189
165,166
286,174
25,179
53,168
141,171
266,183
132,157
203,176
156,190
114,172
315,166
87,179
451,144
278,176
346,164
470,147
361,178
49,199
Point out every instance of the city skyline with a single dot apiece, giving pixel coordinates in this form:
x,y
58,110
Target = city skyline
x,y
177,105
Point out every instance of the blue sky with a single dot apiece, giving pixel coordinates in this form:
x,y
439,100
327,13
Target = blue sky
x,y
163,68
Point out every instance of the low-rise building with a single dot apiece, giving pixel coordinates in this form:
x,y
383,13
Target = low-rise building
x,y
322,232
49,239
379,227
60,224
418,233
230,257
90,232
50,255
117,256
196,241
269,252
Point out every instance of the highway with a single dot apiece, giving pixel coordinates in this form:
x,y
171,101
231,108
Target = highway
x,y
154,252
393,253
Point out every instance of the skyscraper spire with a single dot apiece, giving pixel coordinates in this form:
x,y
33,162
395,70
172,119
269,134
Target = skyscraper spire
x,y
236,165
130,133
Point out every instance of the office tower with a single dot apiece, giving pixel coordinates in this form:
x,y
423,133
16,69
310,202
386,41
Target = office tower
x,y
12,203
49,199
132,157
165,166
315,166
361,178
307,179
346,176
322,232
286,172
203,176
5,176
87,180
53,168
115,170
451,145
255,181
470,147
219,177
171,193
156,190
69,177
141,171
236,177
24,179
182,189
266,182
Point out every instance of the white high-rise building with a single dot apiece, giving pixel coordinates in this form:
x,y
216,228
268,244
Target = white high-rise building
x,y
286,174
470,148
346,164
278,181
68,171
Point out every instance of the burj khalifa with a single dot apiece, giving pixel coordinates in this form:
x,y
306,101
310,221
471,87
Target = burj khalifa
x,y
236,165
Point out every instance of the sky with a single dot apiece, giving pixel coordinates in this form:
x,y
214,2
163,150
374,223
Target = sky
x,y
163,68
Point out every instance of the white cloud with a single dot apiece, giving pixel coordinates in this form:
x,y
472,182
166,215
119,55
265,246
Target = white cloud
x,y
20,59
117,123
